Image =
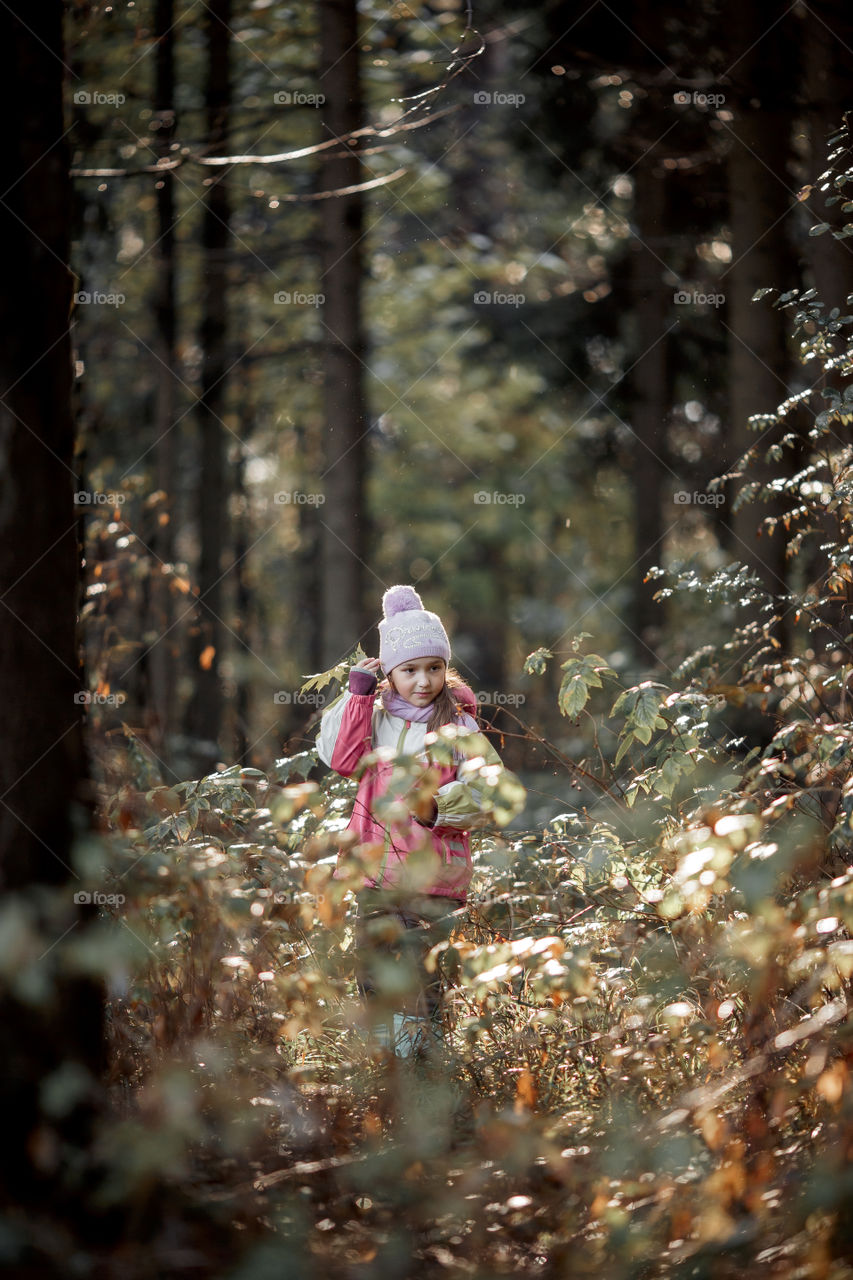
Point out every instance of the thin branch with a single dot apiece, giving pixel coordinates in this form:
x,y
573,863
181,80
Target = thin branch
x,y
366,131
281,157
346,191
530,733
162,166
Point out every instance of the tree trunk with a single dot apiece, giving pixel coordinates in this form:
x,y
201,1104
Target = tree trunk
x,y
479,634
759,200
826,95
653,313
161,658
344,522
307,569
242,591
206,704
42,757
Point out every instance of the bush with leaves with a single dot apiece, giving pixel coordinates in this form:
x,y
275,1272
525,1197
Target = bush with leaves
x,y
648,1050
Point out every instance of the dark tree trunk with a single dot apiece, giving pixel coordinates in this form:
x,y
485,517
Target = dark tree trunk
x,y
307,565
242,590
476,145
650,383
591,38
826,95
206,705
479,634
344,523
760,199
42,757
161,659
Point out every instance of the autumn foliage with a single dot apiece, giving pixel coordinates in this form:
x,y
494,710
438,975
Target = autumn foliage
x,y
647,1056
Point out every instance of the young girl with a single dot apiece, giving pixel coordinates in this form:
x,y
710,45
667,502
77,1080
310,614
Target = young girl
x,y
424,869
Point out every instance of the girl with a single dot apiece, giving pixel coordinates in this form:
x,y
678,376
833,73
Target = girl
x,y
424,862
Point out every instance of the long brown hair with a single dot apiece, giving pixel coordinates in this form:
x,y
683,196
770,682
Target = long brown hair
x,y
446,706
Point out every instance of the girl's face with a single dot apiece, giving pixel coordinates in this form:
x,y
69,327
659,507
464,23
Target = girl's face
x,y
419,681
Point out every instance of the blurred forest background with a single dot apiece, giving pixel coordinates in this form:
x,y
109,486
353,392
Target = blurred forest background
x,y
535,346
543,309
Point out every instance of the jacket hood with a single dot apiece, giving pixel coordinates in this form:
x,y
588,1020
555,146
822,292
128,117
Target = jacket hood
x,y
466,697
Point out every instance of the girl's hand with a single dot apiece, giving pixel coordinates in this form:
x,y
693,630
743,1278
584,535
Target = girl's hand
x,y
367,664
363,677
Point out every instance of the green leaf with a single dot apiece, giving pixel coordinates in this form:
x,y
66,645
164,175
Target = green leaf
x,y
599,665
582,674
676,766
182,826
573,695
300,764
536,662
645,714
339,673
622,702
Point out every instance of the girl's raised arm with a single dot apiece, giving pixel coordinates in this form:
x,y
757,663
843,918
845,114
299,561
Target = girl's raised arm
x,y
346,729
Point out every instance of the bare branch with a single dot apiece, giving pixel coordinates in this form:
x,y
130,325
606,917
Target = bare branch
x,y
458,63
163,166
346,191
367,131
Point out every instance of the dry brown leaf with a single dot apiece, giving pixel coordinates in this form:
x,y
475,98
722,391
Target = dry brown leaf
x,y
830,1084
525,1091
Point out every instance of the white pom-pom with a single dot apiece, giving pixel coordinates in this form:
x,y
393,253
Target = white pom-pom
x,y
400,600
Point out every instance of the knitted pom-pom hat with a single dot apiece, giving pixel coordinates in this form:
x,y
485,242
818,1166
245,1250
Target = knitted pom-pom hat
x,y
408,630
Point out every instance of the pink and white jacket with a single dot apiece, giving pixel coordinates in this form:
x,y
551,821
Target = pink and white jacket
x,y
435,860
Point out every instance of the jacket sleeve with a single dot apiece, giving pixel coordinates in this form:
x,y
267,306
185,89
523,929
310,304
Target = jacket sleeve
x,y
467,801
346,731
